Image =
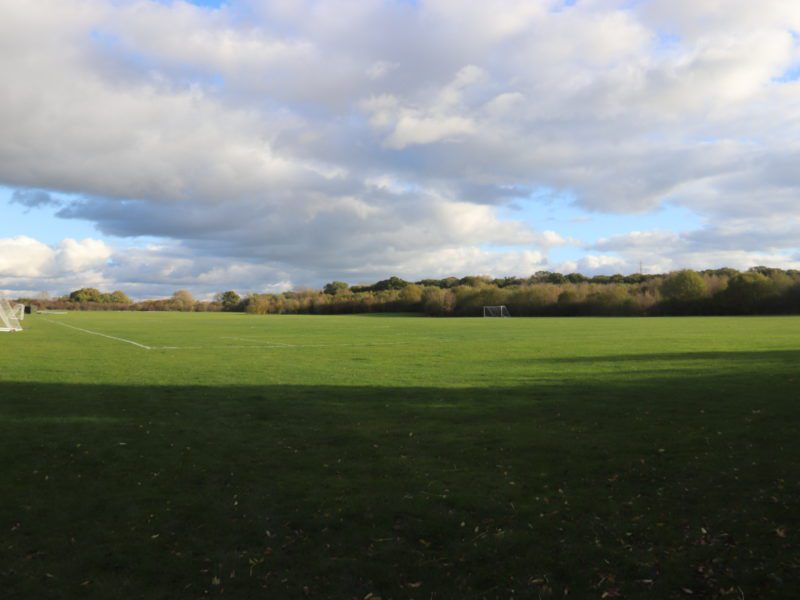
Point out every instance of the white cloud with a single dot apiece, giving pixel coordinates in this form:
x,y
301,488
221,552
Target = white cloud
x,y
23,256
299,141
440,121
662,251
73,256
157,270
412,129
28,265
599,263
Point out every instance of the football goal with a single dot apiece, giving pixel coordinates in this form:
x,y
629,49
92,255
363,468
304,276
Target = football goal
x,y
496,311
8,317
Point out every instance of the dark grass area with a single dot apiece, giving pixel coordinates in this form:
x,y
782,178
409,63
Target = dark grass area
x,y
653,487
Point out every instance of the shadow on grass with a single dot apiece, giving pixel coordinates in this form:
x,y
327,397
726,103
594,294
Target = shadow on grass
x,y
734,359
639,487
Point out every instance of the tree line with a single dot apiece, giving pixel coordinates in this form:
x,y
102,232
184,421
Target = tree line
x,y
94,299
759,290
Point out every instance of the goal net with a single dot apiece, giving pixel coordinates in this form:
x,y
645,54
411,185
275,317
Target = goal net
x,y
8,317
496,311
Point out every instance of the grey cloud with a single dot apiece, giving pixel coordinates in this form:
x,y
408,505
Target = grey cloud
x,y
34,198
328,234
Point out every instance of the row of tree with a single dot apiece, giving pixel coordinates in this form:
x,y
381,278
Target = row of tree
x,y
760,290
93,299
92,295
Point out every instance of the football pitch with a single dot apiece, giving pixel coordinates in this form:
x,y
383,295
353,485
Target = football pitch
x,y
186,455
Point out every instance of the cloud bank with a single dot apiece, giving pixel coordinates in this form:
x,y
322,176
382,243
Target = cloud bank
x,y
278,143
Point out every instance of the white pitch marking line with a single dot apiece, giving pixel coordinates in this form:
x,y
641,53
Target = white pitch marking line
x,y
215,347
111,337
273,347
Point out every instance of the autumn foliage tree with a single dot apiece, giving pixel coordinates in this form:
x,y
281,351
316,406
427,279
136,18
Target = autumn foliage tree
x,y
684,286
230,300
760,290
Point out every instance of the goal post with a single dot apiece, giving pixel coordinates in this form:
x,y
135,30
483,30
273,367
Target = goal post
x,y
8,317
496,311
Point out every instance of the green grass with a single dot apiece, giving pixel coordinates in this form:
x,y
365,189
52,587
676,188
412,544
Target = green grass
x,y
405,457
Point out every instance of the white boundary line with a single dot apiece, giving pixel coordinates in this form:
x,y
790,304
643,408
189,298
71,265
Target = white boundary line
x,y
271,345
110,337
281,347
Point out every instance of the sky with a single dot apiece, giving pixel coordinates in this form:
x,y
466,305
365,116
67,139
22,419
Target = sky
x,y
267,145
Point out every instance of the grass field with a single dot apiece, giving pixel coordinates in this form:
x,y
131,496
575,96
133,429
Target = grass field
x,y
403,457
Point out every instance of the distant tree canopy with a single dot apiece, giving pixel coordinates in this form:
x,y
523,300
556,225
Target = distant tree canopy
x,y
684,286
183,300
94,295
229,300
335,287
760,290
120,297
85,295
393,283
747,291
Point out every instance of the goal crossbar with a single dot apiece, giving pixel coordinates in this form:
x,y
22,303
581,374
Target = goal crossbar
x,y
496,311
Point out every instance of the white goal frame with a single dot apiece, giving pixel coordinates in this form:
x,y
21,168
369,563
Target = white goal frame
x,y
8,317
496,311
